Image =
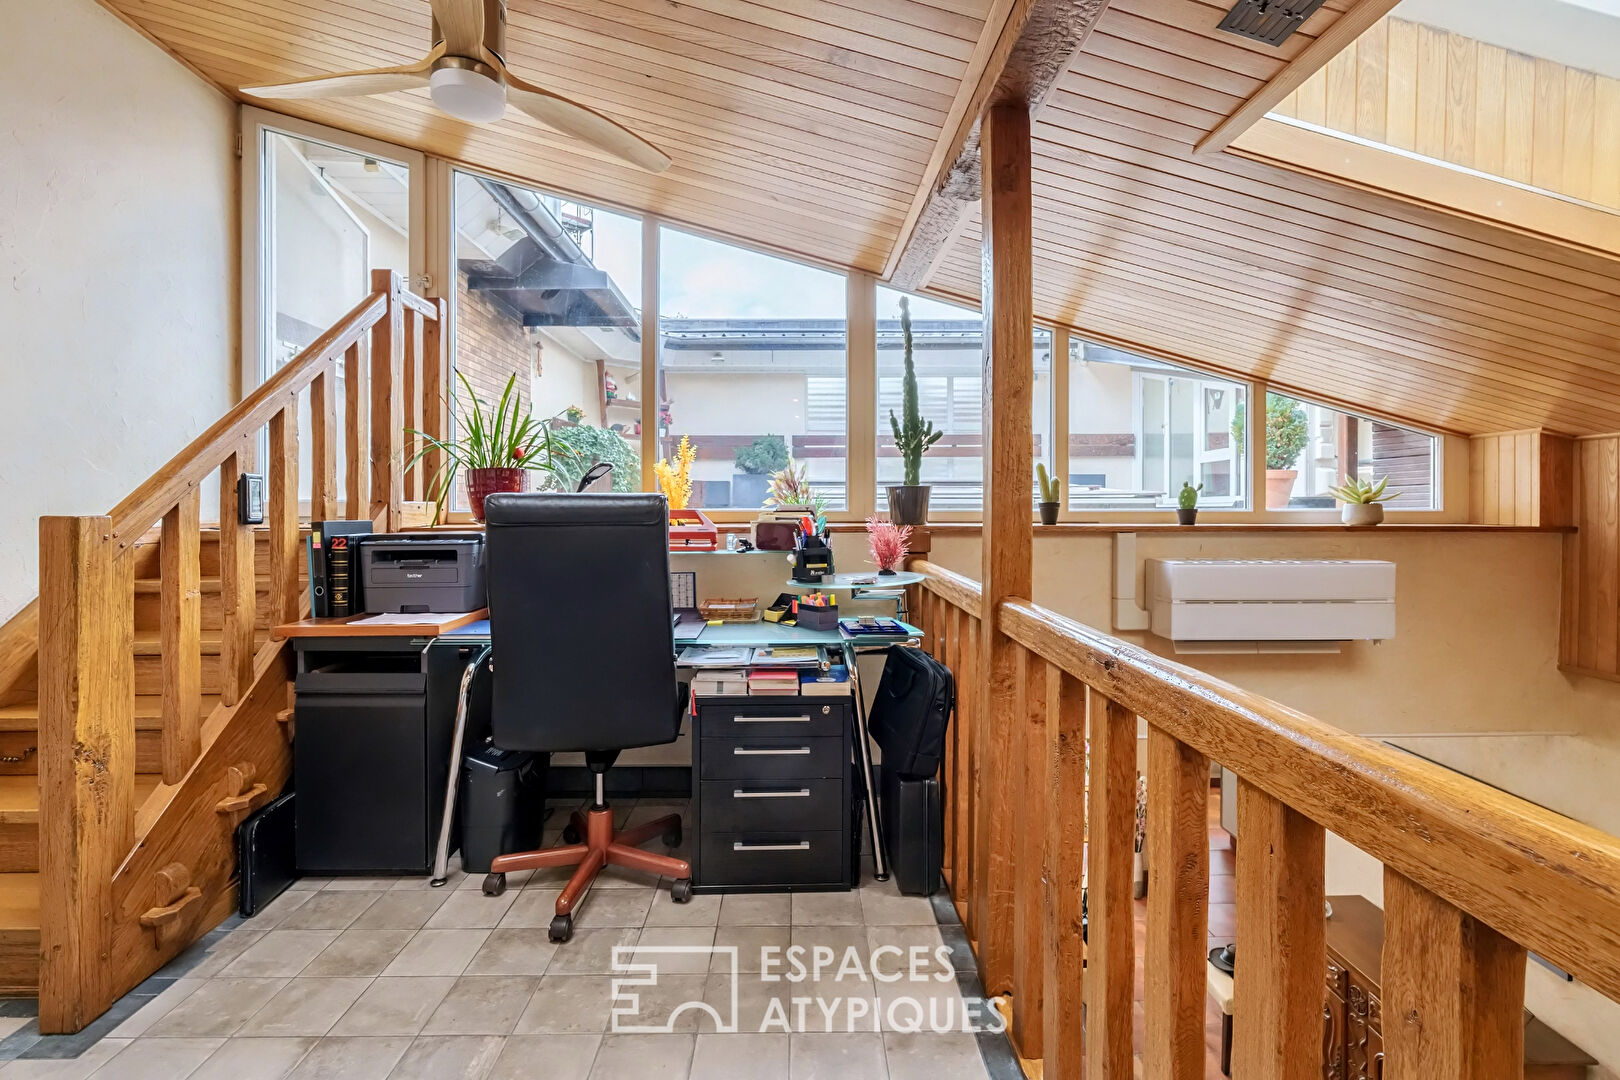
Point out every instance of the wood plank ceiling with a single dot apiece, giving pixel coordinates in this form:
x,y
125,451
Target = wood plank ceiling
x,y
1257,270
808,125
805,124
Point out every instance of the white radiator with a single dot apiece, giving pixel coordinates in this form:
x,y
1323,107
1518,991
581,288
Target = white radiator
x,y
1250,605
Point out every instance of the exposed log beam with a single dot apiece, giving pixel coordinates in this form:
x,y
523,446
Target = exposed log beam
x,y
1025,47
1332,41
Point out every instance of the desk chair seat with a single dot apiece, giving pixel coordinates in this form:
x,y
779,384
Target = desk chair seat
x,y
579,611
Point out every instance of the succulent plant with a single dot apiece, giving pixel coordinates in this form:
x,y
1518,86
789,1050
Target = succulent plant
x,y
1355,490
1188,499
1048,483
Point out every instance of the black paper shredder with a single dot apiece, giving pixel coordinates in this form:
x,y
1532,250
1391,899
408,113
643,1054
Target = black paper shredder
x,y
503,798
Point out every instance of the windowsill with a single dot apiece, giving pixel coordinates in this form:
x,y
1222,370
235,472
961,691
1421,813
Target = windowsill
x,y
1082,527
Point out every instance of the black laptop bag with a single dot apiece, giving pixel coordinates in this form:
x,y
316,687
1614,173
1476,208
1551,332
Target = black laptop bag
x,y
911,711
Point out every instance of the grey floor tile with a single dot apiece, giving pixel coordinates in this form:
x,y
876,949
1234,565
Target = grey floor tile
x,y
674,1003
361,884
611,877
740,1057
482,1005
925,1056
329,911
836,1056
513,952
637,1057
756,909
746,1004
613,908
279,954
676,950
159,1059
272,914
437,952
591,952
701,910
455,1057
254,1059
351,1059
359,953
920,950
882,905
815,940
305,1007
827,909
77,1068
532,909
217,1008
929,1005
470,909
515,880
308,884
754,945
222,952
155,1009
394,1006
402,910
568,1004
648,810
559,1057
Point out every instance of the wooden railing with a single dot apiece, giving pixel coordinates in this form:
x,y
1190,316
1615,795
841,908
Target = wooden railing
x,y
124,887
1472,876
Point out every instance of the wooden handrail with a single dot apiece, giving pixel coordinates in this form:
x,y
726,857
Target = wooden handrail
x,y
187,470
1543,880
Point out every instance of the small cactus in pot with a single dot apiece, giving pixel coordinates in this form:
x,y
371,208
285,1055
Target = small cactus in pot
x,y
1187,504
1049,492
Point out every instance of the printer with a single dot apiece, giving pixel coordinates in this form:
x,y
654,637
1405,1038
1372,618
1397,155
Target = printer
x,y
438,572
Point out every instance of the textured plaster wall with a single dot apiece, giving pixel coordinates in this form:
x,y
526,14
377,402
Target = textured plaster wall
x,y
118,268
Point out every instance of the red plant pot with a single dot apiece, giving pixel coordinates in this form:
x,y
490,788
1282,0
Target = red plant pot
x,y
485,482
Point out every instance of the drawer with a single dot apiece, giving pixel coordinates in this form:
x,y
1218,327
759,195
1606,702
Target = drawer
x,y
750,718
770,759
764,858
741,805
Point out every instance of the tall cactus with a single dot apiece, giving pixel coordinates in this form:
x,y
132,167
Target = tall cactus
x,y
915,435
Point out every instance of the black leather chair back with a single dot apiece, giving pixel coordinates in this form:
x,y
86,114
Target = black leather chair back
x,y
579,612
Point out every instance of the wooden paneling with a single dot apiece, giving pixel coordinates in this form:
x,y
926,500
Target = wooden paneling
x,y
1521,478
1590,623
807,126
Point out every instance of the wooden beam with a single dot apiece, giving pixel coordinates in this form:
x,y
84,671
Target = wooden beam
x,y
1019,58
1007,545
1110,837
1063,1047
1178,908
1329,43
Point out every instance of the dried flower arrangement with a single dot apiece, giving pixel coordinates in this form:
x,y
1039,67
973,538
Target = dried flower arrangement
x,y
675,481
888,543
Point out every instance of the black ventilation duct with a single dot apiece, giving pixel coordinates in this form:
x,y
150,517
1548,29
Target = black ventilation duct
x,y
1270,21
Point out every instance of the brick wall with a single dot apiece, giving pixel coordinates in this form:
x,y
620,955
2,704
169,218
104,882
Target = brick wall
x,y
490,346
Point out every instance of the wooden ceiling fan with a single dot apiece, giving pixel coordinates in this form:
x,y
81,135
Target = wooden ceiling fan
x,y
466,74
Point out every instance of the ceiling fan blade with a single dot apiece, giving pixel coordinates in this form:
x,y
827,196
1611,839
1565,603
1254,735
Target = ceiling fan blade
x,y
350,84
461,24
587,125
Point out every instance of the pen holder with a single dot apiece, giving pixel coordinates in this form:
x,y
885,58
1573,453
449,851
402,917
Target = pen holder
x,y
817,618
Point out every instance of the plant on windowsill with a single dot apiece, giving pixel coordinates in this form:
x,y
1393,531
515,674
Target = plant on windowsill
x,y
888,543
1048,486
913,436
1363,500
790,486
1286,436
755,464
499,447
1187,504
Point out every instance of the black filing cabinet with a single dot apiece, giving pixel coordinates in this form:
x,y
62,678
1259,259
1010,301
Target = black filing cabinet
x,y
371,751
774,802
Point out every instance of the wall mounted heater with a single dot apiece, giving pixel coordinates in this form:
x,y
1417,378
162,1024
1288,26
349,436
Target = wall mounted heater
x,y
1270,21
1270,605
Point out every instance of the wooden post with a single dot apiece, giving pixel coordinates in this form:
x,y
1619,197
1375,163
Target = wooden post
x,y
238,590
1007,539
959,782
355,441
650,384
1178,908
1029,887
436,381
1281,938
86,761
387,413
1453,991
411,401
323,446
1111,960
861,427
972,783
180,598
1063,1046
281,514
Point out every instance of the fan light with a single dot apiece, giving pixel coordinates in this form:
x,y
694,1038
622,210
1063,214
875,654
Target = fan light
x,y
468,95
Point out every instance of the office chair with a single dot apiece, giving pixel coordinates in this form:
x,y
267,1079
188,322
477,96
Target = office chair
x,y
579,614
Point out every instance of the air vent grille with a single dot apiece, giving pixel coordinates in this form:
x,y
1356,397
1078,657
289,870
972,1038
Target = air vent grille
x,y
1270,21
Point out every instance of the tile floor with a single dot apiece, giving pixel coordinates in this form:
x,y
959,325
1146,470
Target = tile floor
x,y
372,978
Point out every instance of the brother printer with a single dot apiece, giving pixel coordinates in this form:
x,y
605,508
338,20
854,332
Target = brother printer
x,y
438,572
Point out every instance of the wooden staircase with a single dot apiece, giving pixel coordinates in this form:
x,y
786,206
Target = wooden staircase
x,y
20,740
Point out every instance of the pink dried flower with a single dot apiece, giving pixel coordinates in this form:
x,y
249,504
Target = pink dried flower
x,y
888,542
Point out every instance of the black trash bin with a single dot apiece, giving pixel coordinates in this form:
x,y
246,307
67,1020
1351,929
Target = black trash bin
x,y
503,799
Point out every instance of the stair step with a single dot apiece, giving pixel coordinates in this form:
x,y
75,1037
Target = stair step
x,y
19,934
24,715
19,734
19,825
149,605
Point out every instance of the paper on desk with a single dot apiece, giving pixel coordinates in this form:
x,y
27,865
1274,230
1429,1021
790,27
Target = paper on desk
x,y
415,618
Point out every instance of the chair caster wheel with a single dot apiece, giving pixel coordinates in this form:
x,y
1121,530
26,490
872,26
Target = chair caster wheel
x,y
494,884
570,835
672,837
562,928
681,890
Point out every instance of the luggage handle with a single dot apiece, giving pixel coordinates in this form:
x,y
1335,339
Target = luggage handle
x,y
739,793
743,751
802,845
771,719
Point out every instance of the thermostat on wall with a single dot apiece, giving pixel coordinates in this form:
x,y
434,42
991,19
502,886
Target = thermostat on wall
x,y
250,499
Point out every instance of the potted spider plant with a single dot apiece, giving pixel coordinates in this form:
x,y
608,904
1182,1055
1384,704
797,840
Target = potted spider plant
x,y
1363,500
497,446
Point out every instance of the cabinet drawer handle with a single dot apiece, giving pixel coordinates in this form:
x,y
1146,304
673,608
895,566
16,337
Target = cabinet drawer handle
x,y
794,751
770,719
802,845
739,793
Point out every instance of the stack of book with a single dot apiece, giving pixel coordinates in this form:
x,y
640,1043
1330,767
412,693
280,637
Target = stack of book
x,y
771,681
834,682
713,682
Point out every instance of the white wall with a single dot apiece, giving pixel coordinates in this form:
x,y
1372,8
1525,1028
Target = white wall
x,y
118,268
